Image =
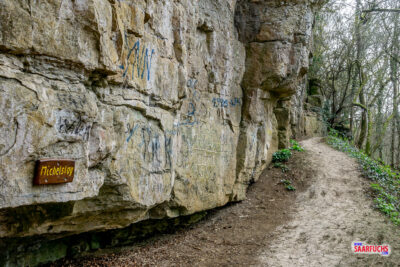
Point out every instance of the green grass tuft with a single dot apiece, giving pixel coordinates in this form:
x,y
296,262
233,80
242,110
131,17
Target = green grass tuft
x,y
296,146
288,185
283,167
282,155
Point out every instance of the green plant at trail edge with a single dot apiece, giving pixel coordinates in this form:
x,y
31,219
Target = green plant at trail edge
x,y
296,146
283,167
282,155
386,186
288,185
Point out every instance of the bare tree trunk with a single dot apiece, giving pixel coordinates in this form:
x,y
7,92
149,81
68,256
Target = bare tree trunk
x,y
379,124
364,120
398,144
358,73
394,80
357,63
369,133
333,106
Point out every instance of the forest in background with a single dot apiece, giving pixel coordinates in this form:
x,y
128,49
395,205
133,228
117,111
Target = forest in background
x,y
355,66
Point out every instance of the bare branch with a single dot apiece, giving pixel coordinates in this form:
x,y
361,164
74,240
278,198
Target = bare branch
x,y
396,10
360,105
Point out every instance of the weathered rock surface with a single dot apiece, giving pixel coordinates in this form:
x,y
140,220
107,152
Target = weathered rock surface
x,y
167,107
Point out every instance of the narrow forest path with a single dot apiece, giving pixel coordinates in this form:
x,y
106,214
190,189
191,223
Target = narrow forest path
x,y
313,226
332,213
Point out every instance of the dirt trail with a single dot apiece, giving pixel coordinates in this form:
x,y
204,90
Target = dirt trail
x,y
334,211
313,226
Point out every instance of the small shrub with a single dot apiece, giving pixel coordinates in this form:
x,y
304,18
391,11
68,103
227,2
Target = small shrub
x,y
283,167
296,146
288,185
282,155
290,188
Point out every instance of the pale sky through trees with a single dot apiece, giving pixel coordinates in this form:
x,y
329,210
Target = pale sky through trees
x,y
356,59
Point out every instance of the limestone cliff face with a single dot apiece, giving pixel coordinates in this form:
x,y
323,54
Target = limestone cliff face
x,y
277,36
167,107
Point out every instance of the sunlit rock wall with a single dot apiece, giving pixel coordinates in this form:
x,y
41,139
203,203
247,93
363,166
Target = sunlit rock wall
x,y
167,107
